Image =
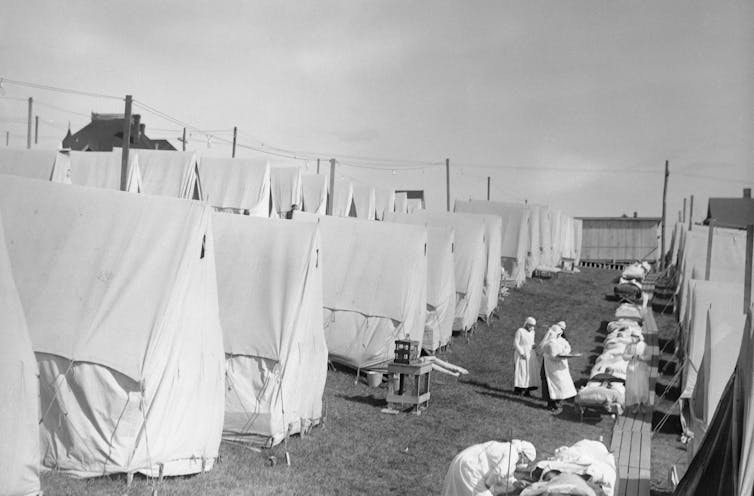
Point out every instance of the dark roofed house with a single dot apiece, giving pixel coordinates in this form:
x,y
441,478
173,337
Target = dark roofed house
x,y
736,213
105,132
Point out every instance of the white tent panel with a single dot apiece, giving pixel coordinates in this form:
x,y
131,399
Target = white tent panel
x,y
19,391
314,193
270,294
401,203
120,297
236,184
342,198
375,287
103,170
286,189
169,173
384,202
470,259
47,165
364,201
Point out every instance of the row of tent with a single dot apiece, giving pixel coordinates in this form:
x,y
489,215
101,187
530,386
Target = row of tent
x,y
716,390
158,325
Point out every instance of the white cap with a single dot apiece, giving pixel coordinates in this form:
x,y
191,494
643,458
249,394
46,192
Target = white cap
x,y
561,324
525,448
530,321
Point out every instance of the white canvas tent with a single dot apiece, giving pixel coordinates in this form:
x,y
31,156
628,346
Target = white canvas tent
x,y
342,198
270,292
19,391
120,297
314,193
493,232
103,170
469,259
547,256
285,182
46,165
515,232
401,203
364,201
384,202
169,173
534,255
722,338
441,285
578,226
375,287
239,185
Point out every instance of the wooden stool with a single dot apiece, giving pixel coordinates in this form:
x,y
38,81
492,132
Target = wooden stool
x,y
404,375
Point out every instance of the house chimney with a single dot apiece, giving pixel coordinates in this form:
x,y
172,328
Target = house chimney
x,y
136,137
747,192
636,215
142,126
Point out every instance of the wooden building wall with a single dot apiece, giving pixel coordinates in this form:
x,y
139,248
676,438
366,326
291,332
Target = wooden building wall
x,y
620,239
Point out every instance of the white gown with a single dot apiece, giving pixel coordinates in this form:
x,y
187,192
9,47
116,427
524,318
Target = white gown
x,y
559,381
480,465
525,369
637,374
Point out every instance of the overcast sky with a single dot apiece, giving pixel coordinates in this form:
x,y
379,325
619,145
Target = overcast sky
x,y
557,101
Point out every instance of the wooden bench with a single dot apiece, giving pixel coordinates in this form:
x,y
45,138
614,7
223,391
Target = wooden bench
x,y
632,434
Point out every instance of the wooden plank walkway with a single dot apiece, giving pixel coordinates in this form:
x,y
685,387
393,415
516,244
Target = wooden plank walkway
x,y
632,434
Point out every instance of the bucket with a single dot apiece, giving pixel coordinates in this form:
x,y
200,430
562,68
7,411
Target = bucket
x,y
374,379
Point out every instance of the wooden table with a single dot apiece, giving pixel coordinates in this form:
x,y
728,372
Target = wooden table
x,y
408,384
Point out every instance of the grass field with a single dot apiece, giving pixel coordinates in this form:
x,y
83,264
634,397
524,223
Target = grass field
x,y
359,450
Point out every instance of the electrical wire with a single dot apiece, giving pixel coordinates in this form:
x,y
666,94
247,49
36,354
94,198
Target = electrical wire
x,y
46,87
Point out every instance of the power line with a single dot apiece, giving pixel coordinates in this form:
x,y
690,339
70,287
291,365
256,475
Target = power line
x,y
57,89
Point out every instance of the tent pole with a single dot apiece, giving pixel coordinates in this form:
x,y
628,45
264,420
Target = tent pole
x,y
747,274
184,139
708,267
317,166
36,129
664,208
331,197
691,211
447,184
126,143
235,135
28,124
684,211
489,179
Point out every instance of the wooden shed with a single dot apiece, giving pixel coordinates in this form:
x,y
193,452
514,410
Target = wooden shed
x,y
620,239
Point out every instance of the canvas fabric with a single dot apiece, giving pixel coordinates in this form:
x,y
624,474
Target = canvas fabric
x,y
241,184
534,255
103,170
515,230
375,287
270,296
169,173
578,229
384,201
46,165
285,183
342,199
364,201
401,203
120,296
314,193
19,390
469,258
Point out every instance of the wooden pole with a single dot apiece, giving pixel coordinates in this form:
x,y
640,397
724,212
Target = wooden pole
x,y
317,166
747,275
331,197
684,211
126,144
664,209
28,124
691,211
36,129
447,183
7,138
710,235
489,179
183,140
235,134
680,219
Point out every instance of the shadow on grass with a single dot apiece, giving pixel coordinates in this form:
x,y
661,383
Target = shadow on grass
x,y
672,424
365,399
571,414
531,401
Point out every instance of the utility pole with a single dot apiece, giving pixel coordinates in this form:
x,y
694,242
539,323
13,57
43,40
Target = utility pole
x,y
235,134
36,129
126,144
28,124
447,183
684,211
317,166
489,179
7,138
183,140
710,235
691,211
331,197
664,206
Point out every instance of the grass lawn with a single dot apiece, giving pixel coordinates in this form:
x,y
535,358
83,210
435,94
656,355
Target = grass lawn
x,y
359,450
